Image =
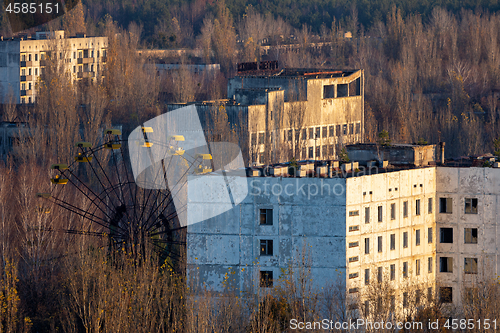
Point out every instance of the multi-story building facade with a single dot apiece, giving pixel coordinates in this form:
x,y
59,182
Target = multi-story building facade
x,y
23,60
433,228
299,113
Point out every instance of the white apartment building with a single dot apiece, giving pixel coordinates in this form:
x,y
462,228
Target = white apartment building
x,y
433,227
23,60
293,112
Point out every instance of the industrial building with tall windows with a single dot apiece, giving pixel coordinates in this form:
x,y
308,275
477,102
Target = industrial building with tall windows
x,y
24,59
280,114
406,221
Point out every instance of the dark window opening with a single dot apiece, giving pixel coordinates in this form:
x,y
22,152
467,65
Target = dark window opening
x,y
405,239
393,272
380,213
429,206
367,245
338,130
324,133
417,237
342,90
266,247
379,245
405,269
429,235
446,294
445,205
331,131
417,207
266,279
393,241
446,235
393,211
367,276
405,209
446,265
367,215
328,91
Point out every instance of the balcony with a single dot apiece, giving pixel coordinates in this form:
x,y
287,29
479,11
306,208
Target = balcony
x,y
26,92
85,75
26,63
85,61
104,59
44,62
26,78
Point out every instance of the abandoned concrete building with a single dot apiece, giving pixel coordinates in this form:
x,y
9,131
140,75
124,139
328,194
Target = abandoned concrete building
x,y
24,59
292,113
432,226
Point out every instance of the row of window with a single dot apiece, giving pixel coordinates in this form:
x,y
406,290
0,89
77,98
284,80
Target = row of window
x,y
445,266
445,296
80,54
324,151
446,205
445,236
393,213
311,133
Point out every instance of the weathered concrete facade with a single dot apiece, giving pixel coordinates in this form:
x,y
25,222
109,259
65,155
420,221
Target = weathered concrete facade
x,y
299,226
393,225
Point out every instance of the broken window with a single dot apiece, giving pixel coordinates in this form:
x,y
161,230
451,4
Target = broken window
x,y
446,264
470,205
446,235
470,265
445,205
266,279
266,217
266,247
342,90
446,294
470,235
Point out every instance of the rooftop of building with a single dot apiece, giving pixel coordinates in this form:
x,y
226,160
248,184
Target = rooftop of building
x,y
272,69
44,35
